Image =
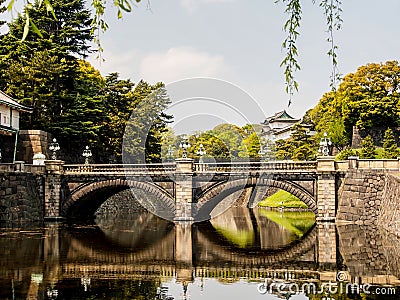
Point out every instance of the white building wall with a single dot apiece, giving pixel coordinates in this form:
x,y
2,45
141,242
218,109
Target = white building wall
x,y
15,119
4,115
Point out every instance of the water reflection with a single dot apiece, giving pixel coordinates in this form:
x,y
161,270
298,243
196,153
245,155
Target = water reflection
x,y
262,228
144,257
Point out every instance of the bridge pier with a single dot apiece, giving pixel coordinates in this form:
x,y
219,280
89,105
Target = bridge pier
x,y
52,190
326,188
184,190
184,253
327,245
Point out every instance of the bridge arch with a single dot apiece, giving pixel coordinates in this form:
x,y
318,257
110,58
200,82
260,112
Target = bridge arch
x,y
225,253
215,195
109,187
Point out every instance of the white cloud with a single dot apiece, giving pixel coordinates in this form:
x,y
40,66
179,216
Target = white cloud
x,y
180,63
124,63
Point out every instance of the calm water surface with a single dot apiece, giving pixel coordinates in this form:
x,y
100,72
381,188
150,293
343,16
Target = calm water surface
x,y
230,257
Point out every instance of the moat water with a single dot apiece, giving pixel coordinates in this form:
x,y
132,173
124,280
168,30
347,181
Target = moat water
x,y
241,254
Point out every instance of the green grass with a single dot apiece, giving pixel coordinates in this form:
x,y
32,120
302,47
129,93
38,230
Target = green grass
x,y
282,199
240,238
297,222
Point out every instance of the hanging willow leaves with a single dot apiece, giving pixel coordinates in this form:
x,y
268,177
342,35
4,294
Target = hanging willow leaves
x,y
332,11
293,10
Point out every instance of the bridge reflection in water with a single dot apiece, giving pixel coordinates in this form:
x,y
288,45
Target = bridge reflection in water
x,y
127,258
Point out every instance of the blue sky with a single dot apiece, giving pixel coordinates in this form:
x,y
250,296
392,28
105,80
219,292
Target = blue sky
x,y
240,42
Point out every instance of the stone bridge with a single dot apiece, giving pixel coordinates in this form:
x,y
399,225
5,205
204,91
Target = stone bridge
x,y
188,191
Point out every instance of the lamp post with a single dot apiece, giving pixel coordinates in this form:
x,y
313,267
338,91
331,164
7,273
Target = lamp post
x,y
170,153
184,145
87,153
201,152
1,157
325,145
54,147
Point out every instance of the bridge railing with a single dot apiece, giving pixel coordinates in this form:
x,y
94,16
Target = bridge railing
x,y
235,167
368,164
120,168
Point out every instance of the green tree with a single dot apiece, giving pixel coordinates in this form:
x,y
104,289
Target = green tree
x,y
231,135
300,146
2,10
168,140
390,149
250,146
215,147
327,117
42,70
119,103
370,97
368,149
143,132
83,118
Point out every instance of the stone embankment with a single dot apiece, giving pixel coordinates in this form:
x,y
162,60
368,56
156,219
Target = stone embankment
x,y
21,197
370,198
389,214
360,196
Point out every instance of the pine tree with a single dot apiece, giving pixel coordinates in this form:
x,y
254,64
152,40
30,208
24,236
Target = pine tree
x,y
368,149
2,10
143,132
390,149
41,72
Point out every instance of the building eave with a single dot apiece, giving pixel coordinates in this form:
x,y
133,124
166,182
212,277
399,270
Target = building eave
x,y
4,130
8,101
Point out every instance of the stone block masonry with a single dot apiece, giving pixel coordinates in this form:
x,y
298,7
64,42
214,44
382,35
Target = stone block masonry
x,y
370,197
31,142
360,196
389,214
369,250
21,197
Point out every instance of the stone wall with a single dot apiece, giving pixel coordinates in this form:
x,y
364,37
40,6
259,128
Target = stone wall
x,y
377,135
31,142
360,196
21,197
389,215
369,251
122,203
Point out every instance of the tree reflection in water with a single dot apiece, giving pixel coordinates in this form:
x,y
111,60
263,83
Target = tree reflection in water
x,y
262,228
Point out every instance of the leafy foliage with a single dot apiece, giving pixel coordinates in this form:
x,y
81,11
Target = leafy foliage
x,y
2,10
346,153
71,99
370,97
368,149
390,149
143,132
300,146
332,11
366,99
250,146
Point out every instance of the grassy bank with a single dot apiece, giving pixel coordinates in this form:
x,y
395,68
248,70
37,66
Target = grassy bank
x,y
282,199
